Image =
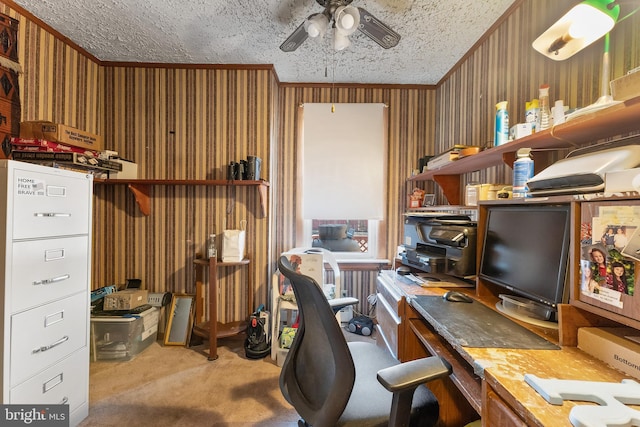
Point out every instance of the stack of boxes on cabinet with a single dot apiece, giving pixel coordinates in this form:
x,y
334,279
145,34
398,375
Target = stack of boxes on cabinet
x,y
44,142
62,146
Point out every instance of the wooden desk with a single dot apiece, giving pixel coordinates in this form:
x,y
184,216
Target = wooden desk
x,y
211,329
489,381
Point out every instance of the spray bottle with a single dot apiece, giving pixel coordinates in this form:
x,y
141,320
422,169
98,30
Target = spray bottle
x,y
502,124
546,121
522,172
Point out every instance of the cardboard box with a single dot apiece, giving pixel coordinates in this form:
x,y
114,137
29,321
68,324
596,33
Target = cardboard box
x,y
129,170
126,299
57,132
626,87
612,345
50,146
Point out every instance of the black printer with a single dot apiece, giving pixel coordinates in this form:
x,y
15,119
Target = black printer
x,y
440,243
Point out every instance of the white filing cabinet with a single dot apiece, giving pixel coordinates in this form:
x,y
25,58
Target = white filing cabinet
x,y
45,269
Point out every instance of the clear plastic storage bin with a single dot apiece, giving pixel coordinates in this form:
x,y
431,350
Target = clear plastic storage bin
x,y
122,338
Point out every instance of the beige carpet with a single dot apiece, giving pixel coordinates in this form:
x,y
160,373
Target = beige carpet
x,y
178,386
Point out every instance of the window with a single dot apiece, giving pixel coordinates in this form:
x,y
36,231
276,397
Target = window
x,y
343,169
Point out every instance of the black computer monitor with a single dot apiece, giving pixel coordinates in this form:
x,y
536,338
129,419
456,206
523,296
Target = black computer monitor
x,y
526,250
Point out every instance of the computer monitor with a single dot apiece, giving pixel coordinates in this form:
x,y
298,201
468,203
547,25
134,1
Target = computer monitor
x,y
526,250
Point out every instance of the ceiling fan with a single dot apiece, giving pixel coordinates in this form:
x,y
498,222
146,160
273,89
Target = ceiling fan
x,y
345,20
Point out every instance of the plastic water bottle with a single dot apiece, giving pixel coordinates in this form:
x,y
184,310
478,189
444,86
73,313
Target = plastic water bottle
x,y
502,124
212,251
522,172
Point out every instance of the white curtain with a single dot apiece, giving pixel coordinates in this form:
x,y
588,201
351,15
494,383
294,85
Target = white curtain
x,y
343,161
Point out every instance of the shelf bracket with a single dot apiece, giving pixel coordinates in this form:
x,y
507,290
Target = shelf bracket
x,y
141,194
262,190
450,185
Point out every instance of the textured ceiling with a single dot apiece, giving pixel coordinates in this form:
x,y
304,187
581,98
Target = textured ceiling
x,y
435,35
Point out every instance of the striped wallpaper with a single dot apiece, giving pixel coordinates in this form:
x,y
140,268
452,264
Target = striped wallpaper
x,y
189,122
504,67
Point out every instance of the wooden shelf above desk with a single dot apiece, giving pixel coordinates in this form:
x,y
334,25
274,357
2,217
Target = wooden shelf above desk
x,y
618,119
140,188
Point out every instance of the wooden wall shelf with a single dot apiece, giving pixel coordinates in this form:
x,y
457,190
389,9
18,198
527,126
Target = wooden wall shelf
x,y
140,188
618,119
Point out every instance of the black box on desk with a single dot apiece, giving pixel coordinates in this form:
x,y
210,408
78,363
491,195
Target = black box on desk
x,y
123,337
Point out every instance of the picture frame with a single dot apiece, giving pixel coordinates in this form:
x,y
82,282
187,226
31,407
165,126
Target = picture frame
x,y
429,200
179,320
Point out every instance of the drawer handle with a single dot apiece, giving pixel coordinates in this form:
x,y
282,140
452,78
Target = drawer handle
x,y
64,400
52,280
50,346
51,214
52,383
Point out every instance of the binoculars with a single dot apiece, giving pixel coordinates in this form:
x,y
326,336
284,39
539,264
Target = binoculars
x,y
245,169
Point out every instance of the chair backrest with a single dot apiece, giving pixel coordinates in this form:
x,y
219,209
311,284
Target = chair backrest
x,y
318,374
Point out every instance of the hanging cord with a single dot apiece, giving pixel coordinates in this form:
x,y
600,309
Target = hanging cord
x,y
333,81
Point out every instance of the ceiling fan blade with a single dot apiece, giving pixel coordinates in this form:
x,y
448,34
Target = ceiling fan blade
x,y
377,30
295,39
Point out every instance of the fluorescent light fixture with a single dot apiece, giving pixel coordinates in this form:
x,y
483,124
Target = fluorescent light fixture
x,y
581,26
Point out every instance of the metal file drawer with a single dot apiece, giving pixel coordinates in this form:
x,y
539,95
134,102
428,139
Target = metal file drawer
x,y
50,204
46,334
58,384
45,270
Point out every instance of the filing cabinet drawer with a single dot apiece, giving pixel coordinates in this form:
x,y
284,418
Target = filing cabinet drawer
x,y
49,269
388,324
390,293
50,204
46,334
59,384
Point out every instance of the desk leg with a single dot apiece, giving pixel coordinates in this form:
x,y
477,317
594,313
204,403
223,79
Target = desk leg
x,y
213,309
249,293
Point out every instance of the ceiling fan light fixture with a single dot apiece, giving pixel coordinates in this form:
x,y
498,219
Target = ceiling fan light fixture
x,y
340,40
316,25
347,19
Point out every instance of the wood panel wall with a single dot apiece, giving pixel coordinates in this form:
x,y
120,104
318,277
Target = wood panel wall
x,y
187,122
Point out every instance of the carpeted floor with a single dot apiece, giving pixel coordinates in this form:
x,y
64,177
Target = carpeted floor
x,y
174,386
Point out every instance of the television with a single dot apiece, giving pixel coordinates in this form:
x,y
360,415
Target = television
x,y
525,250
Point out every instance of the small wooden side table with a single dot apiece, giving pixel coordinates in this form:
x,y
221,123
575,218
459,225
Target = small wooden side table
x,y
211,329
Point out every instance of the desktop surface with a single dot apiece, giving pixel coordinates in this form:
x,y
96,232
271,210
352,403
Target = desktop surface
x,y
476,325
490,380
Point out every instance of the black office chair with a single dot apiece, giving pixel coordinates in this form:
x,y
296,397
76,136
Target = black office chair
x,y
331,383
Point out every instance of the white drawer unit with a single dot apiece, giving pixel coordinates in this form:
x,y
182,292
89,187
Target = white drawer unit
x,y
58,384
46,334
48,204
45,217
44,270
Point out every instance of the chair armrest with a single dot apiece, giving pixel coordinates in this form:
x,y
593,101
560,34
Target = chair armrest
x,y
338,304
411,374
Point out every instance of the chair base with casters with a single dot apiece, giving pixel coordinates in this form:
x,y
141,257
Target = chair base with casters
x,y
330,382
